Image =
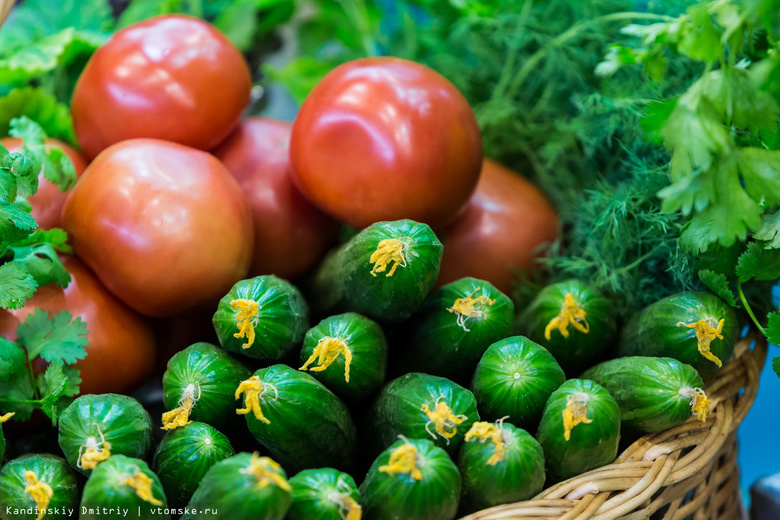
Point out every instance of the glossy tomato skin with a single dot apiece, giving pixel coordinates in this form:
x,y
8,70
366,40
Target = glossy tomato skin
x,y
165,227
170,77
47,202
499,230
121,348
291,235
386,139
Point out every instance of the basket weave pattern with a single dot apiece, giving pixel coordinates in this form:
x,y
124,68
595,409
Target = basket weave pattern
x,y
688,472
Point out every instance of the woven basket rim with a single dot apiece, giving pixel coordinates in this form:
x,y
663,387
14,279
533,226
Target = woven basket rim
x,y
657,462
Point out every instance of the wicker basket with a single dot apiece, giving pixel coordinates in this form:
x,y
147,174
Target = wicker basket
x,y
688,472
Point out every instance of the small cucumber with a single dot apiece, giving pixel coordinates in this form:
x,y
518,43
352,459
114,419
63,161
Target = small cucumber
x,y
572,320
263,317
454,327
297,419
123,485
198,385
184,456
413,479
324,494
33,484
654,394
500,463
696,328
580,429
514,379
384,272
348,354
95,426
242,486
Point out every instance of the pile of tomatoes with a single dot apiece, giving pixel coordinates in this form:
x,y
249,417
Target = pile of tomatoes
x,y
179,196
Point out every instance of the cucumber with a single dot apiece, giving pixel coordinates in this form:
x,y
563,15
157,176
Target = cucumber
x,y
499,463
514,378
263,317
242,486
572,320
123,485
348,354
297,419
580,429
384,272
454,327
324,494
654,394
198,385
33,487
696,328
413,479
421,406
184,456
94,427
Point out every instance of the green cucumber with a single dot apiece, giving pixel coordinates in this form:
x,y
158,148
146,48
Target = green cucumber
x,y
242,486
499,463
514,379
580,429
348,354
297,419
413,479
198,385
654,394
123,485
263,317
324,494
93,427
696,328
455,325
421,406
384,272
572,320
32,484
184,456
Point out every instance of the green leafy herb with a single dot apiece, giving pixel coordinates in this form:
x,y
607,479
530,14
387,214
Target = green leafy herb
x,y
719,284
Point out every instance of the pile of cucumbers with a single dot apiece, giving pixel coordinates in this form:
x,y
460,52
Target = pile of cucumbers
x,y
436,401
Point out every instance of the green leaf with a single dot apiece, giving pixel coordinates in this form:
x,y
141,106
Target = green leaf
x,y
13,359
299,75
55,386
772,329
54,339
36,19
15,389
759,263
7,186
769,232
238,22
761,171
16,285
138,10
42,262
700,39
40,106
56,237
719,284
776,365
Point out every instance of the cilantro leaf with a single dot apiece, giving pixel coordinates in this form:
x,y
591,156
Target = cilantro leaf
x,y
776,365
12,359
769,232
55,338
42,262
760,169
7,186
772,330
56,384
759,263
14,391
700,39
56,237
16,285
718,283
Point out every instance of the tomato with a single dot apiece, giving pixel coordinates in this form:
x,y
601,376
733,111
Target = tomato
x,y
291,235
164,226
385,139
121,348
47,202
500,229
170,77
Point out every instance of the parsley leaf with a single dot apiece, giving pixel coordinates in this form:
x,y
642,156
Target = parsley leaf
x,y
772,330
16,285
769,231
55,338
759,263
718,283
42,262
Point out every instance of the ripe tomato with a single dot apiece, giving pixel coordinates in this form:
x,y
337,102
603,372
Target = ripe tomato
x,y
384,139
165,227
120,353
500,229
290,233
170,77
47,202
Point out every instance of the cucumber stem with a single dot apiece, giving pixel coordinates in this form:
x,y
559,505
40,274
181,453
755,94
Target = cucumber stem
x,y
745,303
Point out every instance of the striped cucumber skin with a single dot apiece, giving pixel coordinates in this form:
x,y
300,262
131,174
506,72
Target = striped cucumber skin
x,y
321,494
654,330
591,445
348,279
53,471
648,390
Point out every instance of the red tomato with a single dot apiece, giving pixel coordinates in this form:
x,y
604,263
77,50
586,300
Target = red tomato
x,y
165,227
291,235
500,229
170,77
120,353
385,139
47,202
